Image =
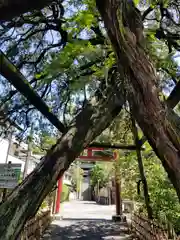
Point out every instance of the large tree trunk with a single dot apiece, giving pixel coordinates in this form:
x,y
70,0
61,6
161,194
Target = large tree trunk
x,y
139,82
24,201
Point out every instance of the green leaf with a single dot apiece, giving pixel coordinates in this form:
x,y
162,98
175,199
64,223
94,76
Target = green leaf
x,y
136,2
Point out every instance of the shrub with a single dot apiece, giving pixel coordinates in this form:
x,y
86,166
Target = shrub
x,y
65,193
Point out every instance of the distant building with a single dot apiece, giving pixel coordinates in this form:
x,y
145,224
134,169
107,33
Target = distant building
x,y
67,178
17,154
86,193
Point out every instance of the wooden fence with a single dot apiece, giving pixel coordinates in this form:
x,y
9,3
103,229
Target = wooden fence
x,y
145,229
36,226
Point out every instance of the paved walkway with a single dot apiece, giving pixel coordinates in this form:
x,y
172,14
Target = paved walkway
x,y
86,221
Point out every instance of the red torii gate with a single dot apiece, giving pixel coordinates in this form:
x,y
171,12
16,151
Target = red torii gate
x,y
91,157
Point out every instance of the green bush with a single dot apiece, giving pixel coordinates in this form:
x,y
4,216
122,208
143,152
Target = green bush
x,y
65,193
163,197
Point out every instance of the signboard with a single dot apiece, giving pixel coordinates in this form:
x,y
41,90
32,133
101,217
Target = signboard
x,y
9,175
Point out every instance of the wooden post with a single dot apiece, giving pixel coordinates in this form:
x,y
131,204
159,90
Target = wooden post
x,y
118,191
118,200
98,195
119,214
77,182
58,198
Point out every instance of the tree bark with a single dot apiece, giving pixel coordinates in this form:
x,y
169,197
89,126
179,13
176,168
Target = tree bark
x,y
171,102
140,85
13,8
25,200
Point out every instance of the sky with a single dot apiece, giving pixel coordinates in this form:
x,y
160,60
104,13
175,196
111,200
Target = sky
x,y
177,58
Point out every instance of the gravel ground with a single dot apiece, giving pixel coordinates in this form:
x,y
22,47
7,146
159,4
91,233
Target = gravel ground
x,y
86,221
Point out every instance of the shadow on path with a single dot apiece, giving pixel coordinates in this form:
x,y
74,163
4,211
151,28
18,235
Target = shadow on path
x,y
85,229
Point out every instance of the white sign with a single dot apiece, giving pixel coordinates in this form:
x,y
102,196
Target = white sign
x,y
9,175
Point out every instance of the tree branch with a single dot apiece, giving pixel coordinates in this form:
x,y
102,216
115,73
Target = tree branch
x,y
146,12
113,146
174,96
12,8
11,73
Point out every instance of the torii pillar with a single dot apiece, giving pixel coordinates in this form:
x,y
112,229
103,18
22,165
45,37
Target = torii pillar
x,y
58,195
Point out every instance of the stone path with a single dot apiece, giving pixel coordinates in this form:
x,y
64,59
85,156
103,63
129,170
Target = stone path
x,y
86,221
